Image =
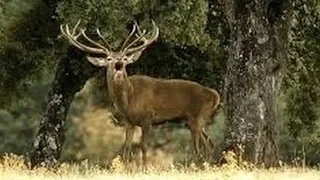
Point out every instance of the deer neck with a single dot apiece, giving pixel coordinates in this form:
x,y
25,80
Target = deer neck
x,y
119,92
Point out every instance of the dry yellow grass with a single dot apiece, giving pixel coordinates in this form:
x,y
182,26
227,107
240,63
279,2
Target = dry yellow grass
x,y
70,174
13,168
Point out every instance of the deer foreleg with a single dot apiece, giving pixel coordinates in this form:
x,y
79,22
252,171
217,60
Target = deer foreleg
x,y
127,146
144,143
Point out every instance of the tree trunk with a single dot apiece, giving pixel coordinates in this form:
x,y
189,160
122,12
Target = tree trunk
x,y
72,73
259,31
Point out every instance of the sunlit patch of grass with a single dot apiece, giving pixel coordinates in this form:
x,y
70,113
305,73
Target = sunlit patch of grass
x,y
14,167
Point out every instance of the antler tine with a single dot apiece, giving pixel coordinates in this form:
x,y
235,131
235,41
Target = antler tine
x,y
72,38
103,39
130,35
73,34
75,28
154,36
136,40
141,33
92,41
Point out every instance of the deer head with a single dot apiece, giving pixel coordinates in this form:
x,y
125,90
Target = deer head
x,y
114,61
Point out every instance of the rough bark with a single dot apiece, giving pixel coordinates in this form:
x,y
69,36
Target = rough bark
x,y
72,73
259,31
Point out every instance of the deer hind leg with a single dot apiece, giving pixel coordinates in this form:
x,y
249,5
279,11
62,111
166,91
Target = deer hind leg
x,y
195,130
127,146
207,145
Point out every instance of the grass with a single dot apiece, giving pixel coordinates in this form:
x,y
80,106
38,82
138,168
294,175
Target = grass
x,y
12,167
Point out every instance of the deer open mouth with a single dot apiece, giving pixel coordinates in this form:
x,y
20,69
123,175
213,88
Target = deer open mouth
x,y
118,66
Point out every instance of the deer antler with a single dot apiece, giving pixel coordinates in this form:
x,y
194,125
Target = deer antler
x,y
73,39
141,36
146,42
103,39
127,39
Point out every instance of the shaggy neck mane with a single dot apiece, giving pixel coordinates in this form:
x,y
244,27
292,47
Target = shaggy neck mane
x,y
119,93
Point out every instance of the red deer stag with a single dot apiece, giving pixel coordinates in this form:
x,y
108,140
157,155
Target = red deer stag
x,y
144,100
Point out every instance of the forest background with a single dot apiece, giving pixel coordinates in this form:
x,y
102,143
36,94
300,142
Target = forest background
x,y
193,45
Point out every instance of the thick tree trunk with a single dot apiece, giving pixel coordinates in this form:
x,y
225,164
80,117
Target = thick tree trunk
x,y
259,31
72,73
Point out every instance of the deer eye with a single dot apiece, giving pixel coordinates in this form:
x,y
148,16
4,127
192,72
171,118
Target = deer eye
x,y
109,59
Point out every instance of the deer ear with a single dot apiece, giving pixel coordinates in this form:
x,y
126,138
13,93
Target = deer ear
x,y
134,57
98,61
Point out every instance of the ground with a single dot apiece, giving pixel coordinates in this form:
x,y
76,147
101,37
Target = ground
x,y
12,167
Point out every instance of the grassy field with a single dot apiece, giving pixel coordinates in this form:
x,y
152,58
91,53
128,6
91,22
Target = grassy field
x,y
75,174
236,175
13,168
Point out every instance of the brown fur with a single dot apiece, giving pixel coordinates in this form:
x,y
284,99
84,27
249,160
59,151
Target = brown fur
x,y
162,99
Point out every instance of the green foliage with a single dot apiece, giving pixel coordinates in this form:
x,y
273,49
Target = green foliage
x,y
11,13
19,125
302,83
301,87
26,47
182,22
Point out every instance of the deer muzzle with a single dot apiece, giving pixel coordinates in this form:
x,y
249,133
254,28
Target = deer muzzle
x,y
119,66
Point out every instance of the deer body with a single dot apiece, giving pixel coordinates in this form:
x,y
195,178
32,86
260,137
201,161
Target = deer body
x,y
143,100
